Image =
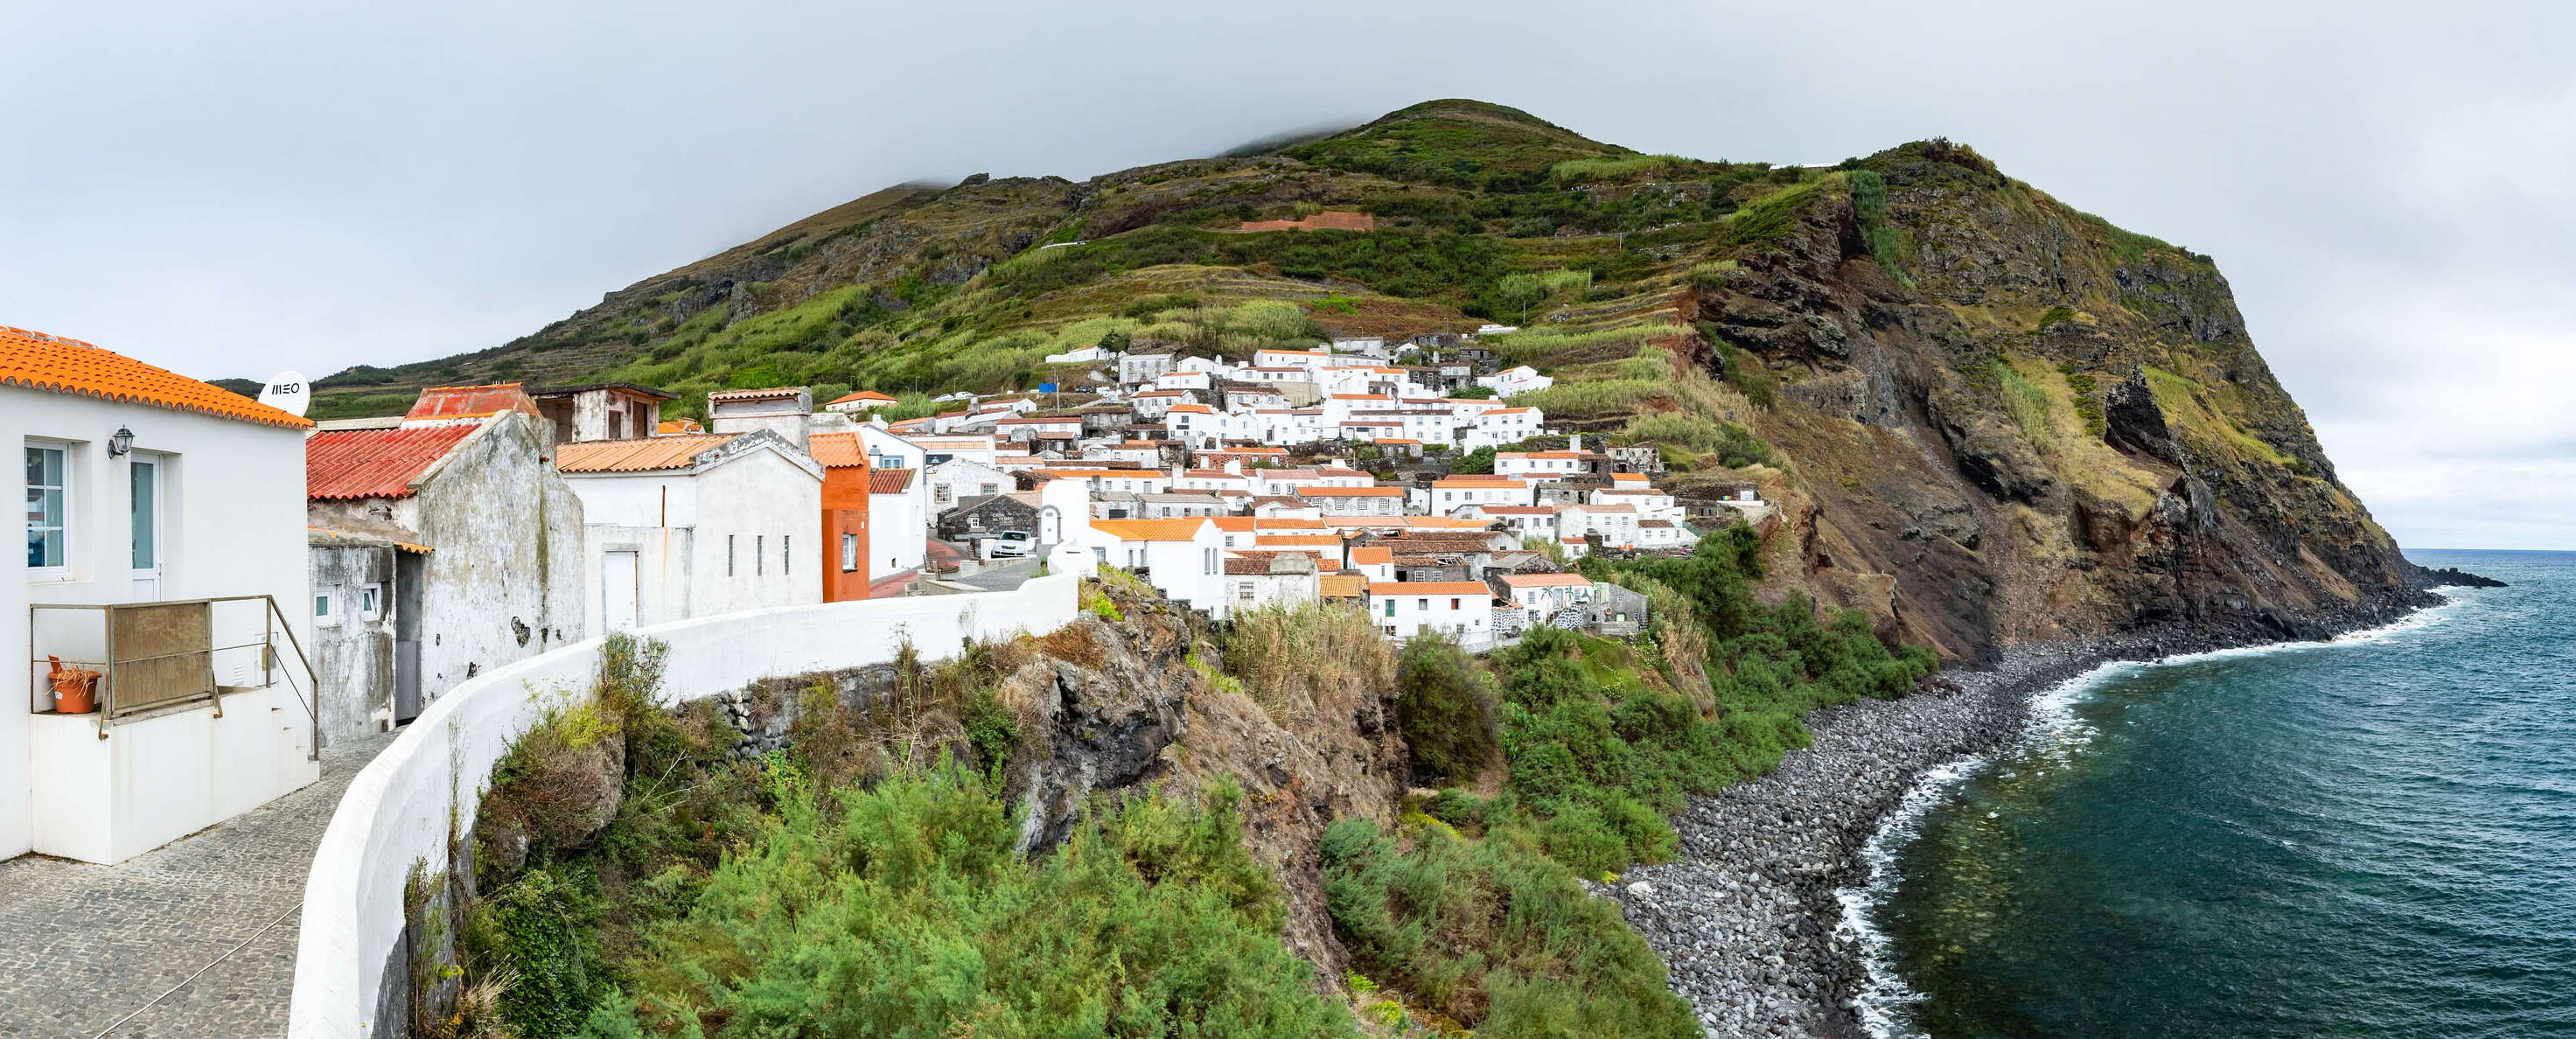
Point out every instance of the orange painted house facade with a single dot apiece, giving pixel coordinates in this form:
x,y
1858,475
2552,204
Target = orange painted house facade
x,y
845,515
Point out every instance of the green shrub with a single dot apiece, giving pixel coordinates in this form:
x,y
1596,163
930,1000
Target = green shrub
x,y
1494,935
905,909
536,933
1445,707
1887,242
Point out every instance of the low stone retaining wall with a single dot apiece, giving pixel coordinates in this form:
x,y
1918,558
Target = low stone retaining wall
x,y
404,807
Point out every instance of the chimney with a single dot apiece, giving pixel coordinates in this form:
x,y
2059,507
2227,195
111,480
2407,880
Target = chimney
x,y
1574,442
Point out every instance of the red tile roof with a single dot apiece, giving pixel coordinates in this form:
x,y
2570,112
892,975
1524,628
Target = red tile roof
x,y
56,365
460,402
374,463
889,481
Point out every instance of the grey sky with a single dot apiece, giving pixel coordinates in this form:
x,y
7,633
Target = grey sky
x,y
233,191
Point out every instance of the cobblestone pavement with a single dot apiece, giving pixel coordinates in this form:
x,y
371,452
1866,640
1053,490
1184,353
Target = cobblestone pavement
x,y
83,945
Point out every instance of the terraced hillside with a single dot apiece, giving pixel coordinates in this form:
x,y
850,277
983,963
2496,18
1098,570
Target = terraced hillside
x,y
1992,417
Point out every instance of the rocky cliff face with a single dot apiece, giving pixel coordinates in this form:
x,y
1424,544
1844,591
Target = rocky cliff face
x,y
2011,421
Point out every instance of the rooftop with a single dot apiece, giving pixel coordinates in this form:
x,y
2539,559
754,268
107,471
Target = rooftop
x,y
1183,529
651,454
38,361
374,463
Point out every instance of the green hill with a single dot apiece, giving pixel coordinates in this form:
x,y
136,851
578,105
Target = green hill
x,y
1989,416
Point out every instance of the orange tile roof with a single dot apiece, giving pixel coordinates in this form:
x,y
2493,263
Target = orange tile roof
x,y
889,481
837,450
1472,480
1287,523
1235,524
861,395
763,393
651,454
1183,529
1367,555
1341,586
679,425
374,463
39,361
1299,540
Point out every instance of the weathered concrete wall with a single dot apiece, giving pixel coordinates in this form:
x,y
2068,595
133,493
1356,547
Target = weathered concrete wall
x,y
505,580
353,660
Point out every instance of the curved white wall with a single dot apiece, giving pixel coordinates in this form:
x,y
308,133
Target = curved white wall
x,y
398,809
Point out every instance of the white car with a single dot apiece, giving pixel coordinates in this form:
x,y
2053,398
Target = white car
x,y
1010,544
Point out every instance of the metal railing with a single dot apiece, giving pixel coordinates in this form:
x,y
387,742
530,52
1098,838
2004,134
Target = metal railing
x,y
177,669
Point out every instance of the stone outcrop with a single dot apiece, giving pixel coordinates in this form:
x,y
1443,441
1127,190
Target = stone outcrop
x,y
2036,426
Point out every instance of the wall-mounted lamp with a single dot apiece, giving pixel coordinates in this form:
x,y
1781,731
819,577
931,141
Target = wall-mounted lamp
x,y
120,443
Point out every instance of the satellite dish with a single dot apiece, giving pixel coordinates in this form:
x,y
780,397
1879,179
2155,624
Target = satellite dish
x,y
287,392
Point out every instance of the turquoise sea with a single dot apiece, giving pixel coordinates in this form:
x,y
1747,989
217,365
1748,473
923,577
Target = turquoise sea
x,y
2369,837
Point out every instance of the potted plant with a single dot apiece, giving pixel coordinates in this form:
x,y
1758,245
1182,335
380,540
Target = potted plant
x,y
75,688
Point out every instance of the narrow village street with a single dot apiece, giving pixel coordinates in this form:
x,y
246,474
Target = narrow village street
x,y
195,938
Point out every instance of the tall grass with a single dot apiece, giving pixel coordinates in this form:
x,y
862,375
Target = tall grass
x,y
1575,400
1576,171
2026,403
1770,216
1312,660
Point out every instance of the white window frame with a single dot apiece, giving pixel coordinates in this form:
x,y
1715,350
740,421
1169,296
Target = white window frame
x,y
849,552
371,602
62,572
325,614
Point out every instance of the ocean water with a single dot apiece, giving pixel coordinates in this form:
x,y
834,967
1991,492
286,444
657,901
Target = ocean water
x,y
2370,837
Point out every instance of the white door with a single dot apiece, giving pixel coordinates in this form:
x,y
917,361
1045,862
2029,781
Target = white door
x,y
144,473
617,590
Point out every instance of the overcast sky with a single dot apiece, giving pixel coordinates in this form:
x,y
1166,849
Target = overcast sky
x,y
232,189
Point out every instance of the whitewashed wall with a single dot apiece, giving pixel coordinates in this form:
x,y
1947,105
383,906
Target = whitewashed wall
x,y
232,524
399,808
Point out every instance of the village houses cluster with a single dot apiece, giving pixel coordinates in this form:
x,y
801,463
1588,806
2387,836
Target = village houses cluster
x,y
168,557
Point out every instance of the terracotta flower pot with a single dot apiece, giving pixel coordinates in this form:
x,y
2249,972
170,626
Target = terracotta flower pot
x,y
75,689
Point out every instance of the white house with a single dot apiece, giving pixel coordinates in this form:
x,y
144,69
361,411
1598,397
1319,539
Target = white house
x,y
1525,521
859,403
1497,427
899,515
958,479
1284,579
163,519
1085,355
887,450
1539,465
1544,594
1355,501
1664,533
1617,524
1450,493
1514,381
691,526
1182,557
1463,610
